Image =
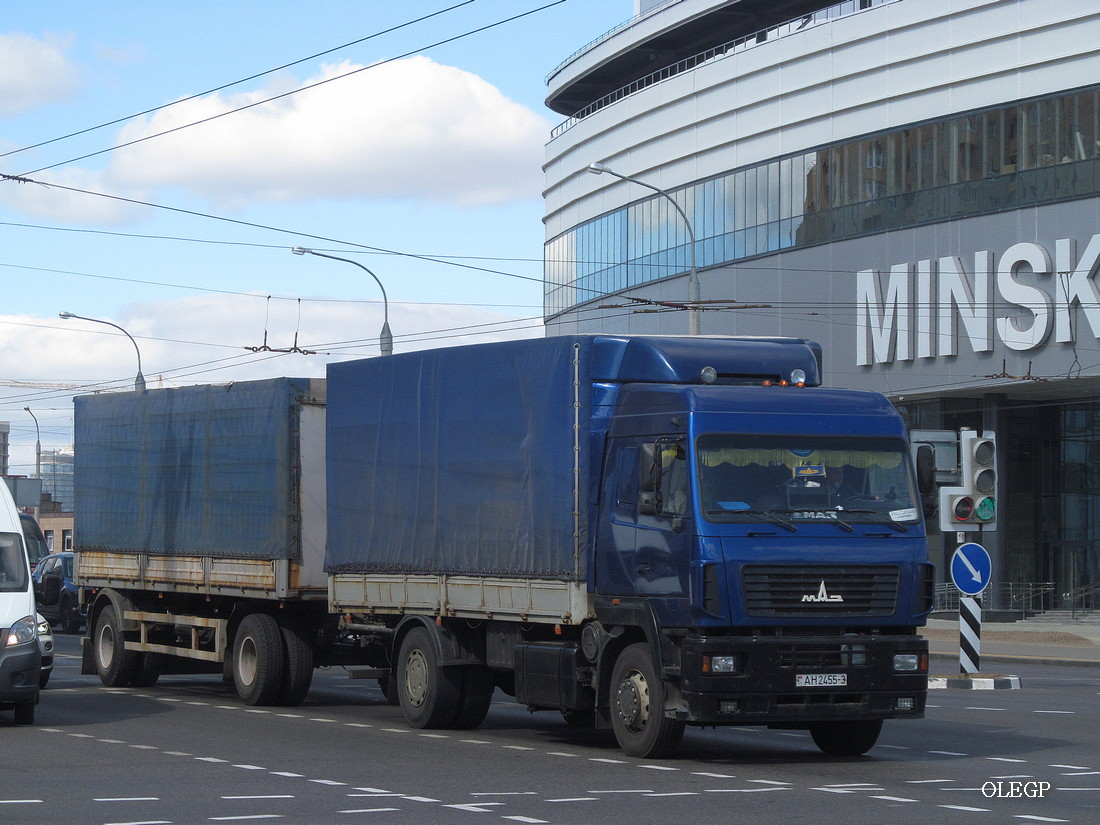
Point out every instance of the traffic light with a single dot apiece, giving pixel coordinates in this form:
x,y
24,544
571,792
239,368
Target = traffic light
x,y
973,504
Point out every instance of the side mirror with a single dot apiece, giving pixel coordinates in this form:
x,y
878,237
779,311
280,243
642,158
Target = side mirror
x,y
926,478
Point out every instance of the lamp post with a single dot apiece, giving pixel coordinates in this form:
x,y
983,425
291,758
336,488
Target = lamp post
x,y
385,338
139,382
693,275
37,453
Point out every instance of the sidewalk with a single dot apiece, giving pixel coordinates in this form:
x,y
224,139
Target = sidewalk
x,y
1035,641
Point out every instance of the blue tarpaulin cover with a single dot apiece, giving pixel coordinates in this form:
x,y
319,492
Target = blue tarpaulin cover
x,y
458,460
207,470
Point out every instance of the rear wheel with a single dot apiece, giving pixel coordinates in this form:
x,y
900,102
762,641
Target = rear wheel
x,y
477,695
259,661
299,663
114,664
430,695
637,706
147,671
846,738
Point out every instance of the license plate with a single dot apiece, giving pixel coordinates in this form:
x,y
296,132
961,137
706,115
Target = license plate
x,y
821,680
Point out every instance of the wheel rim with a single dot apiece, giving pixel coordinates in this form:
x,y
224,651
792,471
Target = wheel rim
x,y
105,645
632,701
247,661
416,678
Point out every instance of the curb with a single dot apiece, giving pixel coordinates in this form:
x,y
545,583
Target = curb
x,y
1007,658
975,683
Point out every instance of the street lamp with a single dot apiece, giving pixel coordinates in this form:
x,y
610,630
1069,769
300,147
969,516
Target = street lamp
x,y
139,382
385,339
37,445
693,276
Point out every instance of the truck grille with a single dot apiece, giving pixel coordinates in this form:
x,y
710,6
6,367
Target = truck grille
x,y
819,590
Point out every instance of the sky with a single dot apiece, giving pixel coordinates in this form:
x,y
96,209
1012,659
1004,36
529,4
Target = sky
x,y
405,136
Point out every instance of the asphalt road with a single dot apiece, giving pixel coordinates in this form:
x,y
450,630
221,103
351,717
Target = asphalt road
x,y
188,751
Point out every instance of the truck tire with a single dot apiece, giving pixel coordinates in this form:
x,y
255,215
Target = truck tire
x,y
477,695
430,695
637,706
114,664
846,738
24,713
299,663
259,662
147,671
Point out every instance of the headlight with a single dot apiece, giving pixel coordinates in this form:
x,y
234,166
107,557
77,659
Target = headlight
x,y
719,664
23,631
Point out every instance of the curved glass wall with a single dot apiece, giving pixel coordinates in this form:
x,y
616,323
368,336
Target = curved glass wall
x,y
993,160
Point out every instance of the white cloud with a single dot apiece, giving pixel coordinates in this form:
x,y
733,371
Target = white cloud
x,y
34,72
408,129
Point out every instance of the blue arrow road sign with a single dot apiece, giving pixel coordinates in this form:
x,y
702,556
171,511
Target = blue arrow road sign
x,y
971,568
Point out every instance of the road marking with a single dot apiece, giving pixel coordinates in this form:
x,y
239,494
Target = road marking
x,y
607,761
713,775
291,716
503,793
321,719
658,768
250,767
526,819
369,811
263,796
744,790
965,808
112,741
674,793
287,774
211,759
474,807
516,748
126,799
895,798
434,735
1004,759
768,782
926,781
1083,773
574,799
990,709
642,790
1038,818
948,753
238,818
1071,767
146,747
419,799
19,801
396,730
486,742
332,782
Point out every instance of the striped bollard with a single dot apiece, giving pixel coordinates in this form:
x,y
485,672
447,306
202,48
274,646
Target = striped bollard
x,y
970,635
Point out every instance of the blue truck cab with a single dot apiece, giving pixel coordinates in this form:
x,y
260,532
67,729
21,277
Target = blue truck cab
x,y
770,535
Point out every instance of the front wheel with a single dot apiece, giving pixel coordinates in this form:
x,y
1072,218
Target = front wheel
x,y
638,704
846,738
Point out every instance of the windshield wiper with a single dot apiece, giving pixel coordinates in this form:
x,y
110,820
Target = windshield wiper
x,y
760,515
834,519
897,525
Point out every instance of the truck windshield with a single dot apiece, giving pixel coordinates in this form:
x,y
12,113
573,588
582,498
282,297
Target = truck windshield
x,y
792,479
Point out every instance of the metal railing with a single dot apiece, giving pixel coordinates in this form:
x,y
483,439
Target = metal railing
x,y
1022,597
1082,599
798,24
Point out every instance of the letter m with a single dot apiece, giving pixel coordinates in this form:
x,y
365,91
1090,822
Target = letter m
x,y
882,326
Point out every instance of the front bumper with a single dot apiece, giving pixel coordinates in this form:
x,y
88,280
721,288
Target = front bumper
x,y
842,678
20,669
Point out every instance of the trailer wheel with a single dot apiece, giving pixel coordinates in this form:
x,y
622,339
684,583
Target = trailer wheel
x,y
477,695
846,738
258,659
299,663
430,695
637,706
24,713
114,664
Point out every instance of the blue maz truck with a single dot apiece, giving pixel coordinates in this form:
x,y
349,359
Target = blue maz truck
x,y
641,533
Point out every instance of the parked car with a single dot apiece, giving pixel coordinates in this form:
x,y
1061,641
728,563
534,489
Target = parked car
x,y
45,644
33,537
58,596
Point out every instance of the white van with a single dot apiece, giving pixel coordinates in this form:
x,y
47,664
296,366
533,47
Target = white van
x,y
20,656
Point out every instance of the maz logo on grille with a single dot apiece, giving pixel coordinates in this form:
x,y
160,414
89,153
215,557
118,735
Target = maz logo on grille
x,y
822,595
